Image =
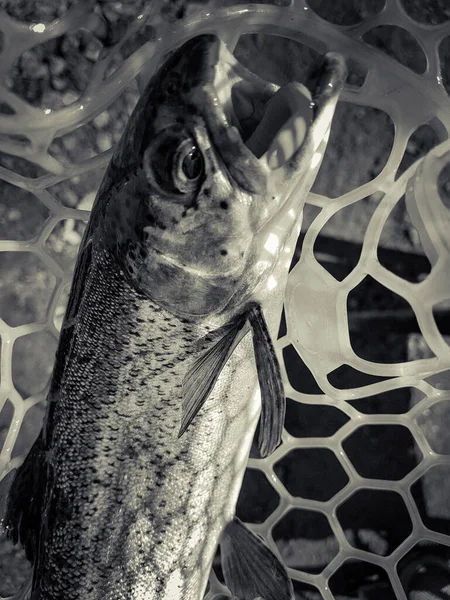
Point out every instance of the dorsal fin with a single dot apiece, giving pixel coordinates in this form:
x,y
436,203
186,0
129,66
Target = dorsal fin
x,y
24,504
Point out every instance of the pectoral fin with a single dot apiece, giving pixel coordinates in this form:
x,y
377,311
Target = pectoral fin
x,y
250,568
203,374
273,401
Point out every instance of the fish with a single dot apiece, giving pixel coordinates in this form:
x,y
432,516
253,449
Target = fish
x,y
166,364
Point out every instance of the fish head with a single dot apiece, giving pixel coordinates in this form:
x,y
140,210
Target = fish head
x,y
202,170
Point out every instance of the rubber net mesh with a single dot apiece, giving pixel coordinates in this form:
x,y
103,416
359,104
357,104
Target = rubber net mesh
x,y
330,506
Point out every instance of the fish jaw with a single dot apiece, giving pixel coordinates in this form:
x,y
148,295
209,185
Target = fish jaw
x,y
274,243
194,245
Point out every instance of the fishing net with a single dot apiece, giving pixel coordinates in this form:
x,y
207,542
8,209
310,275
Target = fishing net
x,y
361,482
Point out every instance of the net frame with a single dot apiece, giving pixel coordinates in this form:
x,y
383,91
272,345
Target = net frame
x,y
410,100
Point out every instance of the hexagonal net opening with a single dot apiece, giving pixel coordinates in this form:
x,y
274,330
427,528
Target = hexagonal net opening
x,y
375,521
303,471
369,449
363,354
305,540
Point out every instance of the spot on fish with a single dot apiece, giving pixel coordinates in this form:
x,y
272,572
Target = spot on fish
x,y
224,252
191,109
172,88
224,205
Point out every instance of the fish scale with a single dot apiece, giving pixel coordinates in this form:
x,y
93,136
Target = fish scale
x,y
122,478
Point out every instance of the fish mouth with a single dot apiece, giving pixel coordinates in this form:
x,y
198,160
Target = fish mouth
x,y
273,121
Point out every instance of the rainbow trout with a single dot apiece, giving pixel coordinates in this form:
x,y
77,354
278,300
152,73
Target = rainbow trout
x,y
165,361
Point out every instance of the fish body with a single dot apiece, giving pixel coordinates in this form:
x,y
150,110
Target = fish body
x,y
143,510
160,373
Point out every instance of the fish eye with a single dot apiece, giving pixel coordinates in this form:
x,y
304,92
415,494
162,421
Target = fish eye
x,y
193,163
188,165
175,167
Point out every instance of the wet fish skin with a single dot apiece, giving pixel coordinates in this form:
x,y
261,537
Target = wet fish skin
x,y
111,504
122,508
136,503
